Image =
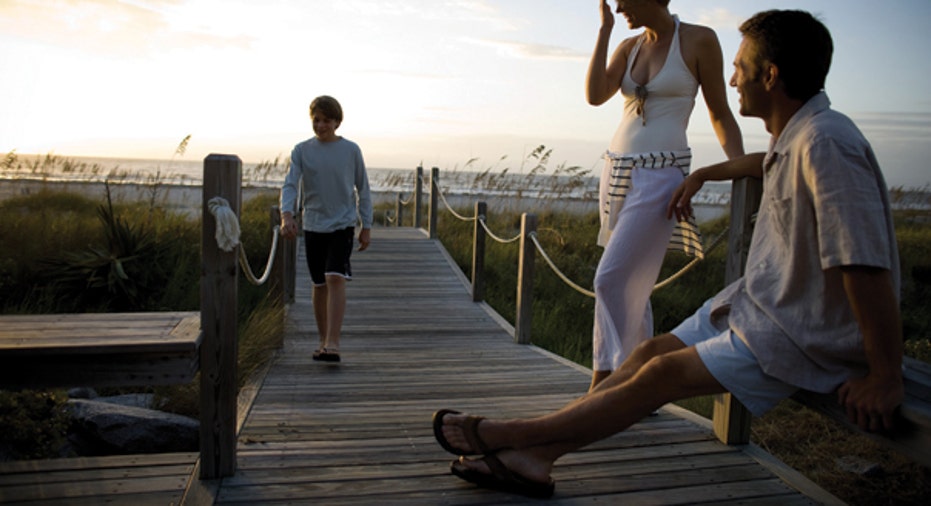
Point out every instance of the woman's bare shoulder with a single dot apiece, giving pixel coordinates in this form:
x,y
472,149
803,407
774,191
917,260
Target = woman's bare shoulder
x,y
692,33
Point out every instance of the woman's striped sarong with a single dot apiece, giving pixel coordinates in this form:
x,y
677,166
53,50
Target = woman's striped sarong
x,y
686,236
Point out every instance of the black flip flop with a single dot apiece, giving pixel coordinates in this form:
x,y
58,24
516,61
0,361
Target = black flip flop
x,y
325,355
503,479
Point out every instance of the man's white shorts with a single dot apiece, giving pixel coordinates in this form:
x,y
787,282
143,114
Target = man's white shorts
x,y
731,362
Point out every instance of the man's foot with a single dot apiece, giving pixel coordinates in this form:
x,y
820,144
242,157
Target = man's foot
x,y
506,471
317,353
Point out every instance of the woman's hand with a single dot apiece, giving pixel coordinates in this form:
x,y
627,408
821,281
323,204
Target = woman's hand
x,y
607,15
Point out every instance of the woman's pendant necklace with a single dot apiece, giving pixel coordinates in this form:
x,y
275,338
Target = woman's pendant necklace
x,y
642,94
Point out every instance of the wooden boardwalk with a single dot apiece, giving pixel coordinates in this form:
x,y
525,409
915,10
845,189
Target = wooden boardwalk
x,y
359,432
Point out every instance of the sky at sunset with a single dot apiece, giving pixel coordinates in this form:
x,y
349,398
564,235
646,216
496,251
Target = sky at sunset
x,y
432,82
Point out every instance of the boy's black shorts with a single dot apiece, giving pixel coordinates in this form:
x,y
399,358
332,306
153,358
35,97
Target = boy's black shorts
x,y
328,254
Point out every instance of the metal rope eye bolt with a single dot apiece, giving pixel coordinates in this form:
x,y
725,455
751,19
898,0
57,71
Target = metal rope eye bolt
x,y
228,233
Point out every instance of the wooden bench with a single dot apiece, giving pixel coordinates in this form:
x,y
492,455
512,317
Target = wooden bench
x,y
99,349
912,434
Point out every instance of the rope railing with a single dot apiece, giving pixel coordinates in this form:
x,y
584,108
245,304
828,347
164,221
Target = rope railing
x,y
559,273
714,243
449,208
408,201
228,232
681,272
575,286
481,220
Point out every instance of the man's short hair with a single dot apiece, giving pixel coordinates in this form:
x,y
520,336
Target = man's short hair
x,y
795,42
328,106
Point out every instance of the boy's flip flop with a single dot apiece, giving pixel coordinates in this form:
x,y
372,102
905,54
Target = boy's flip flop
x,y
469,429
325,355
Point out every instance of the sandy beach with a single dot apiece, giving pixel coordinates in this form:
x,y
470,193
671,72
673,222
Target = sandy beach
x,y
187,198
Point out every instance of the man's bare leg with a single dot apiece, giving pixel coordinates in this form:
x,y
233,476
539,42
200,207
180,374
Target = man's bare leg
x,y
598,377
617,403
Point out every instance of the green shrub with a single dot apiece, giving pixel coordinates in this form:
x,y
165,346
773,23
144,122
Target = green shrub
x,y
34,424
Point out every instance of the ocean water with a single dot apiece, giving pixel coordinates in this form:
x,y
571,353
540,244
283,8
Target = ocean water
x,y
508,191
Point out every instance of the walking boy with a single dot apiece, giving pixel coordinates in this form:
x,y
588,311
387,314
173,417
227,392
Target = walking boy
x,y
328,170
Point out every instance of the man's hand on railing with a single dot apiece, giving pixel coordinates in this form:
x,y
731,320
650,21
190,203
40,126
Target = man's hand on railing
x,y
871,402
288,226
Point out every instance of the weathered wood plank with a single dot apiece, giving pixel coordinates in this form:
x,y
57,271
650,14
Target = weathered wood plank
x,y
46,351
137,480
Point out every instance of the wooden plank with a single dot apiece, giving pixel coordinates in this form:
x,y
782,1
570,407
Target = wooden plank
x,y
107,333
129,349
137,479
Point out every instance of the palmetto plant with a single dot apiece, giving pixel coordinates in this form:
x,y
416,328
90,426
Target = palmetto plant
x,y
115,274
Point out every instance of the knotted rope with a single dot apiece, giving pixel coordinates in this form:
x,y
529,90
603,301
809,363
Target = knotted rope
x,y
228,233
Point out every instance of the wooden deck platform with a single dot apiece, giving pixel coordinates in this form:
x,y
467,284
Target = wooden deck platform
x,y
359,432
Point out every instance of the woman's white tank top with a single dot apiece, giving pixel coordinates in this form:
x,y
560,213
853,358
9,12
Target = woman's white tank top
x,y
666,110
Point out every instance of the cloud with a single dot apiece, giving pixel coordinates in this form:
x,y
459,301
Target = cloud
x,y
720,19
123,28
530,51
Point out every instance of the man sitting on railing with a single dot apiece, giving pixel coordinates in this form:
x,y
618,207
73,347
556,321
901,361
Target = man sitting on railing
x,y
817,308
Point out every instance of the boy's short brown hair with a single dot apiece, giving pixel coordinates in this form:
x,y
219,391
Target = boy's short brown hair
x,y
329,106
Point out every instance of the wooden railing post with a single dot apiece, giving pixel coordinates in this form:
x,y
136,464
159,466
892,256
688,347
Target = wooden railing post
x,y
399,210
284,268
418,196
731,420
218,309
478,253
276,282
289,267
434,194
528,225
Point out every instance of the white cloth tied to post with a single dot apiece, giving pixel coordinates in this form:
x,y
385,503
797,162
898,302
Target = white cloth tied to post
x,y
227,223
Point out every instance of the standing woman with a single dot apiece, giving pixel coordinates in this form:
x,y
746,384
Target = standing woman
x,y
658,74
